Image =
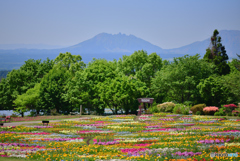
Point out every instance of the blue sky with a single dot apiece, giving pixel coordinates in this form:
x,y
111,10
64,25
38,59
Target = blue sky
x,y
167,24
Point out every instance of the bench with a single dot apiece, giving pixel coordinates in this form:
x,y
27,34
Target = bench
x,y
45,122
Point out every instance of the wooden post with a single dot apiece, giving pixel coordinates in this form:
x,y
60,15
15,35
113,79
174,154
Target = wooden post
x,y
80,110
140,110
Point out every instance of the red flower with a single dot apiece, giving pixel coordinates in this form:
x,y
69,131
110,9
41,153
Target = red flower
x,y
230,106
235,111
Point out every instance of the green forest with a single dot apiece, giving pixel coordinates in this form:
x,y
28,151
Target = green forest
x,y
63,84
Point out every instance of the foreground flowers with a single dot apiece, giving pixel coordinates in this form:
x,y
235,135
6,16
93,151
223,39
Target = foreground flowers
x,y
152,137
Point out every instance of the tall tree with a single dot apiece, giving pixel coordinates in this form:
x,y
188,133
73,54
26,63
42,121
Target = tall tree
x,y
83,88
19,81
15,84
52,90
235,65
141,65
72,63
177,81
121,93
232,83
53,84
212,91
28,101
216,53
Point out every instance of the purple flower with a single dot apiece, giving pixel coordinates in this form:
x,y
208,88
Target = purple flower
x,y
217,141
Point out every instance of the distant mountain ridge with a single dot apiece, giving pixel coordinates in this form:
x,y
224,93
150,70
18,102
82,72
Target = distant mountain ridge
x,y
111,47
108,43
230,39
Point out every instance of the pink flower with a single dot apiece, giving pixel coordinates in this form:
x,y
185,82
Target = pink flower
x,y
210,108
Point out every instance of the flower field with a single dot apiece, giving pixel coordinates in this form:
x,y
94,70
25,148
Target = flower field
x,y
125,137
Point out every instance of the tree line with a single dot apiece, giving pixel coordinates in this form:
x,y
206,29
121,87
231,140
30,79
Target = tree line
x,y
63,84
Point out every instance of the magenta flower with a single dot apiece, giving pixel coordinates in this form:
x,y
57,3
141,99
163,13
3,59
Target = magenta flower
x,y
217,141
141,144
187,153
133,150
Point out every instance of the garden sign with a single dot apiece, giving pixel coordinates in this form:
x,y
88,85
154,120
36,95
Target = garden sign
x,y
144,100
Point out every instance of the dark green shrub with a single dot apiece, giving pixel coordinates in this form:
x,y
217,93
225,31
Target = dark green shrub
x,y
33,113
14,115
148,111
154,109
188,103
222,111
181,109
93,113
177,109
239,115
229,114
217,114
185,109
198,113
198,107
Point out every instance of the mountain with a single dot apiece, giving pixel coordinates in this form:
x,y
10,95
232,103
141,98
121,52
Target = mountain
x,y
230,39
103,45
111,47
108,43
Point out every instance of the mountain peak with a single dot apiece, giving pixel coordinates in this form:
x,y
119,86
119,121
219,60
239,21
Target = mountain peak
x,y
105,42
104,34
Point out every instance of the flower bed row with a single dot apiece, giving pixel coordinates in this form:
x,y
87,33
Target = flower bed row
x,y
153,137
